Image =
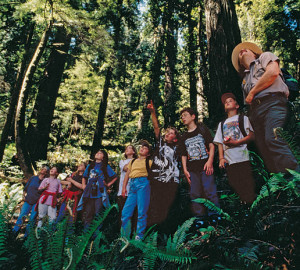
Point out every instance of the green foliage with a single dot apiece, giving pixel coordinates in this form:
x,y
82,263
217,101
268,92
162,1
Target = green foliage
x,y
211,206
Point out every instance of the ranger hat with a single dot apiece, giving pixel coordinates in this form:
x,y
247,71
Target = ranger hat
x,y
244,45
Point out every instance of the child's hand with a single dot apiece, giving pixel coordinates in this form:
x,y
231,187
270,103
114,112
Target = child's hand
x,y
208,168
231,143
150,106
222,163
188,176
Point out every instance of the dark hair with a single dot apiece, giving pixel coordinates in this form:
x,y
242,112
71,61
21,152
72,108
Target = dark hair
x,y
134,150
104,164
147,144
191,112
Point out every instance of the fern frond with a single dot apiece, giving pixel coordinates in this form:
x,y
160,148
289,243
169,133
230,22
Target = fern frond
x,y
211,206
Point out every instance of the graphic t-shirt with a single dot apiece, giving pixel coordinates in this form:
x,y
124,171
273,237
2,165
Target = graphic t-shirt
x,y
195,145
165,162
231,129
96,180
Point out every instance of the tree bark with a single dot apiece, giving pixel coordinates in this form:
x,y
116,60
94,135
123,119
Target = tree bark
x,y
23,156
192,58
8,125
98,135
223,35
37,136
171,93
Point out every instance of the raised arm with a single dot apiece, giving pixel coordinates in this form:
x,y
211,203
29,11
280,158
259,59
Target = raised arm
x,y
155,123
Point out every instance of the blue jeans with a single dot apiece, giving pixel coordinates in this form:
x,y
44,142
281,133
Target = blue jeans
x,y
203,186
26,209
139,195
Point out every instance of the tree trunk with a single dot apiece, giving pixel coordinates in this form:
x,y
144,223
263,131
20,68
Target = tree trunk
x,y
23,156
98,136
223,35
37,137
192,59
203,83
171,92
8,125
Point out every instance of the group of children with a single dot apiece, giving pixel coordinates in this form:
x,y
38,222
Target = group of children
x,y
150,185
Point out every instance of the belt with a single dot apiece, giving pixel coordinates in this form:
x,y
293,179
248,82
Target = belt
x,y
258,101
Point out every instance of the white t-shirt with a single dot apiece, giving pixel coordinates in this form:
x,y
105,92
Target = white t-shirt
x,y
231,129
122,176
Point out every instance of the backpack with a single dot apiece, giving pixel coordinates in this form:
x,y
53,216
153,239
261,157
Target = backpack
x,y
147,165
241,125
291,83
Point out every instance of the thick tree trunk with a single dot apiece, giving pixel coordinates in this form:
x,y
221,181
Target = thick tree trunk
x,y
8,125
98,136
223,35
171,93
37,137
23,156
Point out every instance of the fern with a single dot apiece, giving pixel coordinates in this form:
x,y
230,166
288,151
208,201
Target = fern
x,y
288,138
83,240
211,206
276,183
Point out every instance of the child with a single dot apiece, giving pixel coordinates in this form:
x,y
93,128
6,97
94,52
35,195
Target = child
x,y
164,178
197,151
130,153
51,188
139,193
232,145
32,197
99,175
76,183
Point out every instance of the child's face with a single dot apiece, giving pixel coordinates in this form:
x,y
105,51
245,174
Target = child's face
x,y
54,171
187,118
230,104
129,151
144,151
99,155
43,172
170,135
81,167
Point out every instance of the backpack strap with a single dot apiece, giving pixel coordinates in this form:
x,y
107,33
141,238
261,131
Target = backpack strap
x,y
222,127
241,125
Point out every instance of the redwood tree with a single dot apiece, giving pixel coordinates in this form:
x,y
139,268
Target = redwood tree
x,y
223,34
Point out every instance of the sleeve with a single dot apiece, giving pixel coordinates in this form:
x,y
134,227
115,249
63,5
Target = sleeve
x,y
181,147
85,174
27,184
43,184
110,172
218,137
247,125
266,58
